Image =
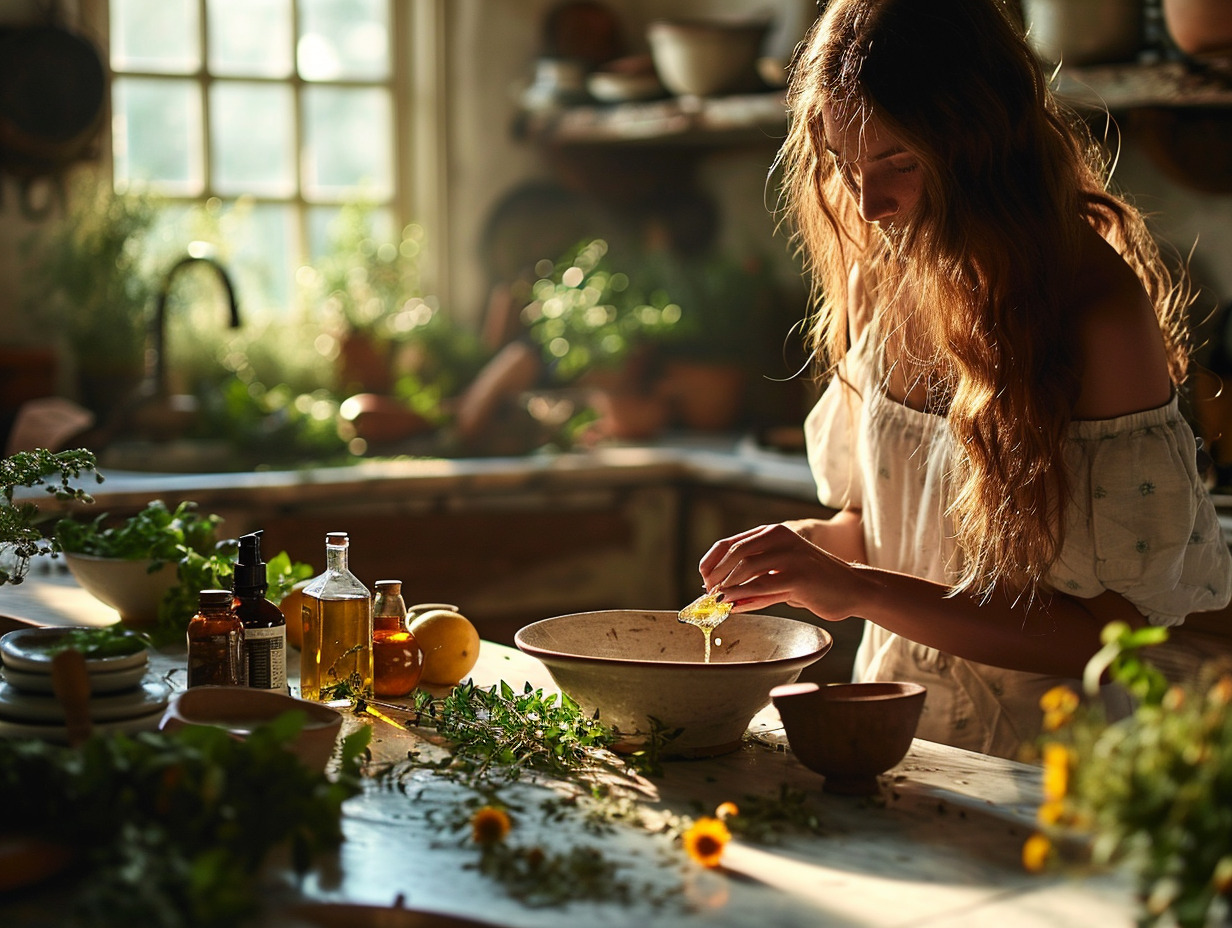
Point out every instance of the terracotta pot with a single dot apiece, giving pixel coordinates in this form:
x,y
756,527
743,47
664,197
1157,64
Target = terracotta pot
x,y
705,396
629,416
1200,27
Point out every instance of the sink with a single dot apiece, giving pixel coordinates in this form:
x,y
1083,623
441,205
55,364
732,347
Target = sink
x,y
179,456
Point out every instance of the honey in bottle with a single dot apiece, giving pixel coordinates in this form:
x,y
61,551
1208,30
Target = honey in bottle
x,y
215,642
337,615
397,660
265,627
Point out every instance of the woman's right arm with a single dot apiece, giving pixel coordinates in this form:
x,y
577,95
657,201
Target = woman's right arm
x,y
842,534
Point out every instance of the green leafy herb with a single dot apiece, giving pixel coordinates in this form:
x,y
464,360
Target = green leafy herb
x,y
497,731
109,641
183,537
20,536
173,829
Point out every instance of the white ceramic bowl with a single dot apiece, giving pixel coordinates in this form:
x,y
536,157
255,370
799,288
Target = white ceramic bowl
x,y
128,587
703,58
240,709
634,665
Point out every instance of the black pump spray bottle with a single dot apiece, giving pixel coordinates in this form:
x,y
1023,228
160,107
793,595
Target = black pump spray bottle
x,y
265,628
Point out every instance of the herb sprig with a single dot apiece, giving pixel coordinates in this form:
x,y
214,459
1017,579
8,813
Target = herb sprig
x,y
20,537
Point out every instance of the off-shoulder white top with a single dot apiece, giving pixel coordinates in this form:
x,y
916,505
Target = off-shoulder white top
x,y
1139,522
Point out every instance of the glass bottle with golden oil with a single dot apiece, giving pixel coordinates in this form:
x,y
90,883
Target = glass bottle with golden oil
x,y
216,642
337,615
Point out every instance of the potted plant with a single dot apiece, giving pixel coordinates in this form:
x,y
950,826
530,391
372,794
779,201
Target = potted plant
x,y
1149,790
20,537
595,327
365,284
86,276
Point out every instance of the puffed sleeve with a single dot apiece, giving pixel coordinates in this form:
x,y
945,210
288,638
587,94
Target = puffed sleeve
x,y
831,438
1139,521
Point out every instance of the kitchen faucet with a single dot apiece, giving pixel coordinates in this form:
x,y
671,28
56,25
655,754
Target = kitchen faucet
x,y
156,359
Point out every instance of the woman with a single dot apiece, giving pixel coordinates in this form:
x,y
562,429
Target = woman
x,y
1000,434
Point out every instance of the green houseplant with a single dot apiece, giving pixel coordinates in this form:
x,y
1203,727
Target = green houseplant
x,y
20,536
86,275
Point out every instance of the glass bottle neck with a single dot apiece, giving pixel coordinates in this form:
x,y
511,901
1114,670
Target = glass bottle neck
x,y
336,557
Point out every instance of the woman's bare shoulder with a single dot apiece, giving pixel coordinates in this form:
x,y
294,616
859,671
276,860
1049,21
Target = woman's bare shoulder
x,y
1124,363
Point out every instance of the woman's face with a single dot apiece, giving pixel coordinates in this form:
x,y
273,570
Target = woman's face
x,y
881,174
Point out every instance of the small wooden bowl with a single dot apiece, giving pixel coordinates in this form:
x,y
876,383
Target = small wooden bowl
x,y
850,733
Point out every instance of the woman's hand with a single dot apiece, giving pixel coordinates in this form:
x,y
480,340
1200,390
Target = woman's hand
x,y
777,564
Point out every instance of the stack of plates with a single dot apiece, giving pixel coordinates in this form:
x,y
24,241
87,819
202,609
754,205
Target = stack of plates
x,y
121,698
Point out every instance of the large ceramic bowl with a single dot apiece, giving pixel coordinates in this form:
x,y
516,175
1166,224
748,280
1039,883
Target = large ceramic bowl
x,y
128,587
850,733
704,58
239,710
634,665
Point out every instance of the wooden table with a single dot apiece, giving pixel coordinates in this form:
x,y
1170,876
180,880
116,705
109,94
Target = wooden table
x,y
940,847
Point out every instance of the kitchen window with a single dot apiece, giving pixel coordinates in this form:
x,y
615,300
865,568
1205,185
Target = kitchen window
x,y
273,112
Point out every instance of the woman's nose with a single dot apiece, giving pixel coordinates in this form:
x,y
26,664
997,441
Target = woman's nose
x,y
876,203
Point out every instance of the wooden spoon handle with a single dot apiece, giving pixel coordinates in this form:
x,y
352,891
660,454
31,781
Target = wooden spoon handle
x,y
70,681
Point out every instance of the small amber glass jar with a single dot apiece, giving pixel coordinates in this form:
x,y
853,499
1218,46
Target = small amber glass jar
x,y
216,642
396,656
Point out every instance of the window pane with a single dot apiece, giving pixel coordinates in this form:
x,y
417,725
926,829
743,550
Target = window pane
x,y
343,39
252,141
347,139
250,37
155,35
261,240
323,228
157,133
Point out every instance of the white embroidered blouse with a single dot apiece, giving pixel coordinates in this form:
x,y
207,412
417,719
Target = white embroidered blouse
x,y
1139,522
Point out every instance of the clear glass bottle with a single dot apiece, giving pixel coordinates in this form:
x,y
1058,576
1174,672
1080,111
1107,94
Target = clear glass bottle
x,y
216,642
397,660
265,627
337,615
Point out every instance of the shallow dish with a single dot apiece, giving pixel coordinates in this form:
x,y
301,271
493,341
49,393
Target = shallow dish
x,y
32,649
850,733
58,733
239,710
19,706
633,666
106,681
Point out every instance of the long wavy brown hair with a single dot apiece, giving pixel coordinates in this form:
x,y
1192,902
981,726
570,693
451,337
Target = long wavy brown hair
x,y
1009,178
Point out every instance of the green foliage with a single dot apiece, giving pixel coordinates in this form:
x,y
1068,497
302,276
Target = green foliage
x,y
1152,789
85,274
108,641
498,731
20,536
183,537
587,315
173,829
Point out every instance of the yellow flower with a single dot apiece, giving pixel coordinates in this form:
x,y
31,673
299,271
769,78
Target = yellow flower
x,y
1056,771
1036,852
489,825
705,840
1050,812
726,810
1059,705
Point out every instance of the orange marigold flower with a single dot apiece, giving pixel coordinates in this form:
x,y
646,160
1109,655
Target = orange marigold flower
x,y
1056,771
705,840
489,825
726,810
1035,852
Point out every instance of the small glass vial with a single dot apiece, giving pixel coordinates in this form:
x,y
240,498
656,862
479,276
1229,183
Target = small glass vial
x,y
397,659
216,642
337,615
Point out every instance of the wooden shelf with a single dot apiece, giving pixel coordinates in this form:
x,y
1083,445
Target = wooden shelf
x,y
1136,86
712,121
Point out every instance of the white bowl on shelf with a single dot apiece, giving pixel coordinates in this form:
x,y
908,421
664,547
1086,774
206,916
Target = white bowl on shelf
x,y
704,58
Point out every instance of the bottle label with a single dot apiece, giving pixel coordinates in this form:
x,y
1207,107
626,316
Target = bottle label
x,y
267,657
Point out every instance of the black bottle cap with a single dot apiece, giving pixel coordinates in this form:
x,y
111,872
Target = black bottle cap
x,y
249,568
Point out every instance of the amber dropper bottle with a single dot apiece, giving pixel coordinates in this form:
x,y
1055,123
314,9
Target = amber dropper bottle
x,y
265,627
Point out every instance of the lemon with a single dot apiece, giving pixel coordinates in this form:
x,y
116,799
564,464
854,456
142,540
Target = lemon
x,y
450,645
292,607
